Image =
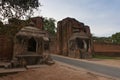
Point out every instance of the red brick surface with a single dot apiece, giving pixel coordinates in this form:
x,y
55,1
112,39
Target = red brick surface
x,y
107,49
6,48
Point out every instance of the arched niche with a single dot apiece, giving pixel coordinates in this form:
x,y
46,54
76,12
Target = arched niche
x,y
32,45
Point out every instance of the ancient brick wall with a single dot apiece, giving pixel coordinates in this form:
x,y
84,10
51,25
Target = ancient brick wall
x,y
53,45
107,49
65,28
6,48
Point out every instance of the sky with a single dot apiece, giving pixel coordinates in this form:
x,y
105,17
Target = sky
x,y
103,16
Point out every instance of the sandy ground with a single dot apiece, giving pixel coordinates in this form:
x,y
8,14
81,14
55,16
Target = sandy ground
x,y
58,71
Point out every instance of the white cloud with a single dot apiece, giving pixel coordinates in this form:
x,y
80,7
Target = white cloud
x,y
102,16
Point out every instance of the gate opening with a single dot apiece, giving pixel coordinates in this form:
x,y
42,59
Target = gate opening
x,y
32,45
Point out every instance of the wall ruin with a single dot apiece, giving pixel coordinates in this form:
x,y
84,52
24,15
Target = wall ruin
x,y
6,48
106,49
66,28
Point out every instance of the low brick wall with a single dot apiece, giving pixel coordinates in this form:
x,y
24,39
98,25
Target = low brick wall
x,y
107,49
53,45
6,48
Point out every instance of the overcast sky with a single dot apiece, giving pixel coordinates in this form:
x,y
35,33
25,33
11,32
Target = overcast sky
x,y
103,16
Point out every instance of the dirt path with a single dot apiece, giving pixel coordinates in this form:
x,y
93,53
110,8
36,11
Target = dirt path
x,y
57,71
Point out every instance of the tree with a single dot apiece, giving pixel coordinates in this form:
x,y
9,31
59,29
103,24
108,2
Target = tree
x,y
49,25
102,39
116,38
13,27
17,8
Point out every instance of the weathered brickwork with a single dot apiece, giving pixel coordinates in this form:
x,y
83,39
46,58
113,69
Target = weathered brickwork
x,y
107,49
6,48
68,30
38,22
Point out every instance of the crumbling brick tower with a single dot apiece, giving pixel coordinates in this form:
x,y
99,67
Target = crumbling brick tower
x,y
70,28
38,22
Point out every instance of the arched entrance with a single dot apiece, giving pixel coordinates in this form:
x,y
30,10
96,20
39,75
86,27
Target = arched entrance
x,y
32,45
82,45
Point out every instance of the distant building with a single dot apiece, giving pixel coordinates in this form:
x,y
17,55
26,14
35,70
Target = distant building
x,y
73,38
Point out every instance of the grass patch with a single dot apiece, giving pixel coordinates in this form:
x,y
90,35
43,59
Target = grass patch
x,y
105,57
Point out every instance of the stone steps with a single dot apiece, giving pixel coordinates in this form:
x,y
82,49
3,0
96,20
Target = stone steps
x,y
7,71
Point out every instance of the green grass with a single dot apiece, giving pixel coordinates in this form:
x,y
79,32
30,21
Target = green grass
x,y
105,57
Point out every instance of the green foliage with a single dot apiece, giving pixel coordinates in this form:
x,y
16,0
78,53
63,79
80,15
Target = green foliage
x,y
1,24
102,39
17,22
17,8
116,38
12,28
49,25
9,30
105,57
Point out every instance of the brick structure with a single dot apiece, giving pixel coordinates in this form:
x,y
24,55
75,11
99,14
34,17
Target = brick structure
x,y
70,31
106,49
31,45
38,22
6,48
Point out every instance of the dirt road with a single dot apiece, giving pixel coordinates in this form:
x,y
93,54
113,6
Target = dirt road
x,y
57,71
102,69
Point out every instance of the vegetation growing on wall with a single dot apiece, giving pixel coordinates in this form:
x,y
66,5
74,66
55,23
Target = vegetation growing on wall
x,y
12,28
49,25
14,25
114,38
